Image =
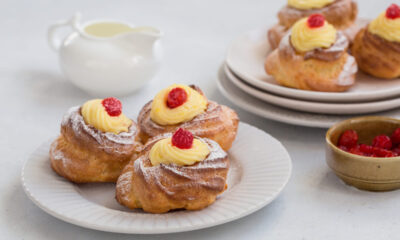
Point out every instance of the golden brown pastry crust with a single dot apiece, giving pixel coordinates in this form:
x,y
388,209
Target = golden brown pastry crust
x,y
328,70
161,188
84,154
275,34
341,14
376,56
218,123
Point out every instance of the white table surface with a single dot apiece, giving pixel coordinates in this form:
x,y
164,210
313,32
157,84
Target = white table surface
x,y
34,95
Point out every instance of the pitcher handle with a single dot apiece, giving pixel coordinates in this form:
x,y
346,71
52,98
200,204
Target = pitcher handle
x,y
53,40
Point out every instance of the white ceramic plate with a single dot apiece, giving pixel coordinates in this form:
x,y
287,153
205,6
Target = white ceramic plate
x,y
270,111
314,107
260,169
246,57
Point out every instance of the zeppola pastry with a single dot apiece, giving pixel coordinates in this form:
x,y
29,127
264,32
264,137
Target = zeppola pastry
x,y
181,106
377,46
313,56
340,13
174,171
97,140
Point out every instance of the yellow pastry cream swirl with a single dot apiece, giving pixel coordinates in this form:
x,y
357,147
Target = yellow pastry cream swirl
x,y
308,4
304,39
386,28
193,106
164,152
94,114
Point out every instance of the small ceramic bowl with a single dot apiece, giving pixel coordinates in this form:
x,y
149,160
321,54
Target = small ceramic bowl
x,y
367,173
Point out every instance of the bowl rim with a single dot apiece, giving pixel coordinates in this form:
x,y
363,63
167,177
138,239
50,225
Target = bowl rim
x,y
358,120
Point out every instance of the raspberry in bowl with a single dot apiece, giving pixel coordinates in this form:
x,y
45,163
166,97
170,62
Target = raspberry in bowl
x,y
365,152
382,146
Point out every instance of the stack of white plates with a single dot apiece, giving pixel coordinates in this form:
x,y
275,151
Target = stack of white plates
x,y
243,80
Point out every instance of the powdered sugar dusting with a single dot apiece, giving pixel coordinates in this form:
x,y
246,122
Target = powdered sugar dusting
x,y
349,69
58,155
340,44
154,129
192,173
295,14
335,51
332,53
124,185
78,124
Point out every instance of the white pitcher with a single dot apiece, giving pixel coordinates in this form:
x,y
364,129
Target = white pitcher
x,y
107,57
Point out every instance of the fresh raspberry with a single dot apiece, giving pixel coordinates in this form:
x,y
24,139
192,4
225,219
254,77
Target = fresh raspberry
x,y
348,139
393,11
356,150
316,20
176,97
396,151
182,139
344,148
395,137
390,154
366,149
380,152
382,141
113,106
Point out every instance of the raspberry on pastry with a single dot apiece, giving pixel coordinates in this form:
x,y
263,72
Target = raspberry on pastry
x,y
340,13
96,142
168,174
176,97
377,46
182,106
313,56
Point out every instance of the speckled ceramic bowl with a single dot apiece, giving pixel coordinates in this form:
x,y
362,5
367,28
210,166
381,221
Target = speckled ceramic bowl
x,y
368,173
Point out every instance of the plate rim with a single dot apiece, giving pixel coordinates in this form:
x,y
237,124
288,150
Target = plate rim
x,y
331,107
298,93
269,114
95,226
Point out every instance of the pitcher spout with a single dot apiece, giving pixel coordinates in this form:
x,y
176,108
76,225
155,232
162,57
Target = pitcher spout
x,y
143,36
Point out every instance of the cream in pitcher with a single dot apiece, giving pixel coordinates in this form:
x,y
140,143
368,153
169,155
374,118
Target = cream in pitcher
x,y
107,57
